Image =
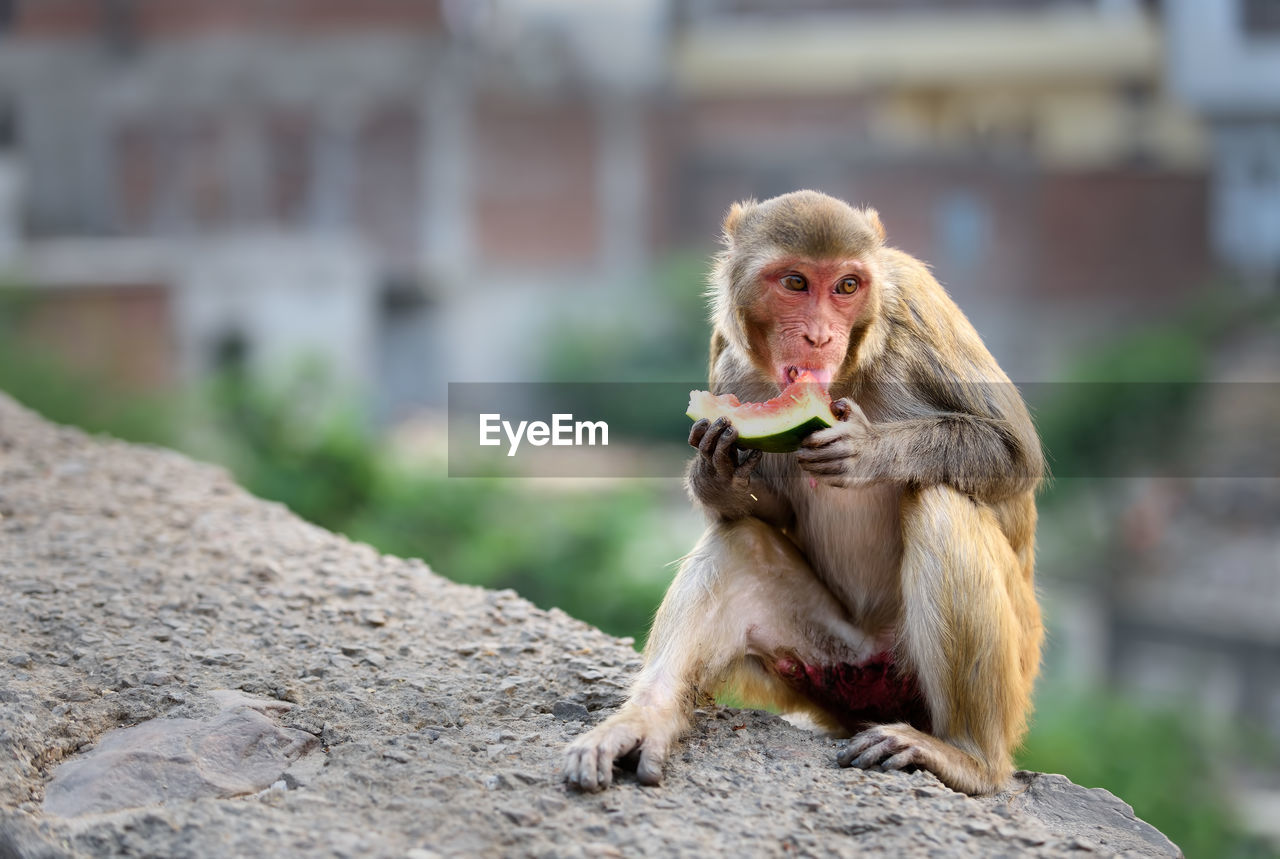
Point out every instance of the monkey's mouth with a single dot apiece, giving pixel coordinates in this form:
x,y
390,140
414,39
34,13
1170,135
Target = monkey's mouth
x,y
791,372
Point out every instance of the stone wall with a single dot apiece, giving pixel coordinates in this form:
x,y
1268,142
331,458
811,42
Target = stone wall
x,y
186,670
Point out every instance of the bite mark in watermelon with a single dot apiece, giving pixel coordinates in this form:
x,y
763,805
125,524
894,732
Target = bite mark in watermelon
x,y
777,426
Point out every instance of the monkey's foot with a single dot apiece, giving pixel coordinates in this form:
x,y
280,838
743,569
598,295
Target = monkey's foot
x,y
898,746
589,759
891,747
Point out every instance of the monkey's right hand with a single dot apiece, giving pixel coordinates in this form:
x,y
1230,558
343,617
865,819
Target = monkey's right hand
x,y
720,474
589,759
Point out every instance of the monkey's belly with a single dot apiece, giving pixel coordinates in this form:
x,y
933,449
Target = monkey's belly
x,y
874,691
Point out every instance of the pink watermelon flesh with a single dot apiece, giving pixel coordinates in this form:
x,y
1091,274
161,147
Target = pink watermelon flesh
x,y
776,426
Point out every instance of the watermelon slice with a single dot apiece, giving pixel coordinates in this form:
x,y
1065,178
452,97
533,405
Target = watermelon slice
x,y
777,426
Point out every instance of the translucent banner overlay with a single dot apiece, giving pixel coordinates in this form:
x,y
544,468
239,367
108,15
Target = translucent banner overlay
x,y
1090,430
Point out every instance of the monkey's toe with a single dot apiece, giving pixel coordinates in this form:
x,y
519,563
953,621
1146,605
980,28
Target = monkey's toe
x,y
652,756
588,763
581,769
879,745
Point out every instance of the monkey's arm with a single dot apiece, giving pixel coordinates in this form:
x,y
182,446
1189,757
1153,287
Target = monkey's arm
x,y
988,457
945,413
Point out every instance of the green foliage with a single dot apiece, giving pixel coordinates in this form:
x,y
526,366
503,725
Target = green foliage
x,y
595,553
658,333
59,393
283,444
1158,760
1125,402
1120,403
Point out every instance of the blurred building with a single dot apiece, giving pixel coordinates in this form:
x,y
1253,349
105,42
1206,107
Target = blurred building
x,y
1030,151
413,188
395,184
1224,60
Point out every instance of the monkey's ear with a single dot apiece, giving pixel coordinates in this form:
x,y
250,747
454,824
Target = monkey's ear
x,y
873,218
734,219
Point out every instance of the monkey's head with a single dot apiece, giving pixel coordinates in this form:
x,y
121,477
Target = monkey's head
x,y
798,283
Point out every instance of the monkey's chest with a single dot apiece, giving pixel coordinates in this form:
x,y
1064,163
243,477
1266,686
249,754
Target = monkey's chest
x,y
873,691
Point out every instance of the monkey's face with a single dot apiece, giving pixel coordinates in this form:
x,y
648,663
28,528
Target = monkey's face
x,y
802,313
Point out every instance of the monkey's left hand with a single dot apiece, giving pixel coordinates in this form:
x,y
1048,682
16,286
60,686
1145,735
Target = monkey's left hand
x,y
836,455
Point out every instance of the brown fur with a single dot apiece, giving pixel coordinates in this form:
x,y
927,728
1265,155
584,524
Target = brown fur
x,y
919,536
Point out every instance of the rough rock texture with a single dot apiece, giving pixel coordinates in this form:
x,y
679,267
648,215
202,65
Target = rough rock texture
x,y
239,751
426,719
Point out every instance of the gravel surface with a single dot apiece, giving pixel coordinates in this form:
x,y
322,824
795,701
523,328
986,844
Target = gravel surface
x,y
187,670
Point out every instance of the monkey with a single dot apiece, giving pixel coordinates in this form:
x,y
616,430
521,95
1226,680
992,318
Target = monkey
x,y
878,580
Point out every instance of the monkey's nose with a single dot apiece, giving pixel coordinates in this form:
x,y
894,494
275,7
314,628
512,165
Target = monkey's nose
x,y
817,341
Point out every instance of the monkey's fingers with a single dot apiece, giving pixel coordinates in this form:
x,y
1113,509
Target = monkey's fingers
x,y
580,768
836,477
707,446
725,457
826,470
824,437
859,744
652,757
835,472
874,755
845,756
834,452
833,461
698,430
908,757
589,760
842,409
590,771
872,746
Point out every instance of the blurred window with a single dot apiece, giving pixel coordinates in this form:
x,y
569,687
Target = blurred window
x,y
229,351
385,190
8,122
8,8
139,164
119,27
1261,17
289,140
962,225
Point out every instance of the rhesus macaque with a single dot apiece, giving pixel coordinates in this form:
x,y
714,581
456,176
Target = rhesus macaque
x,y
879,579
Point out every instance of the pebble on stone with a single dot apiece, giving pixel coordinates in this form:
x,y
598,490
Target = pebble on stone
x,y
569,710
240,751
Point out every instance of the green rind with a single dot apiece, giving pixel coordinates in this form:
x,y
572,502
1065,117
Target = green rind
x,y
784,441
780,439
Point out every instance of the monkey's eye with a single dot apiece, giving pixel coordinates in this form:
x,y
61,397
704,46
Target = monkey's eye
x,y
794,282
848,286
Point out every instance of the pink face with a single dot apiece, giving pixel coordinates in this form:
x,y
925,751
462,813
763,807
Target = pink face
x,y
802,318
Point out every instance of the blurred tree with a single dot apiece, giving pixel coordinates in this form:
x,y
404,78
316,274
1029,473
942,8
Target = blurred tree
x,y
660,334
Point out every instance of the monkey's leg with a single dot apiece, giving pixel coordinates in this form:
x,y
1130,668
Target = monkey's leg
x,y
743,591
970,632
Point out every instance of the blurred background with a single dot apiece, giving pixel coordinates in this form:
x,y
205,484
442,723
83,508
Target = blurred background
x,y
270,233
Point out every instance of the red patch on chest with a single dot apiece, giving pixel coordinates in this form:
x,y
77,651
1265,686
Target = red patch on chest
x,y
872,692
